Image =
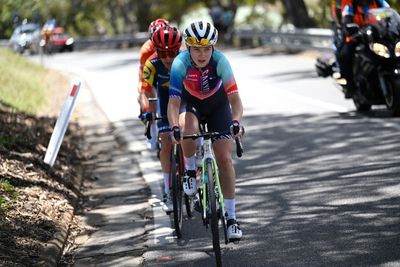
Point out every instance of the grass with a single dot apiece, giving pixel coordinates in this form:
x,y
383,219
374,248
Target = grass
x,y
7,141
7,195
22,82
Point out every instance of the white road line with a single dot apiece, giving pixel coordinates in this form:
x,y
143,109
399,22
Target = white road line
x,y
312,101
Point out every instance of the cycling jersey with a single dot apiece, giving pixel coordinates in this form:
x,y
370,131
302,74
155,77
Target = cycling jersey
x,y
204,83
206,90
145,52
359,14
156,75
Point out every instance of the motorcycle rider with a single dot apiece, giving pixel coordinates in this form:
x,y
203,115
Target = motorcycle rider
x,y
353,11
47,31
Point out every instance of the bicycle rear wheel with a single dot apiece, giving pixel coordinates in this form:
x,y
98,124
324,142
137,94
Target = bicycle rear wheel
x,y
212,204
177,194
189,206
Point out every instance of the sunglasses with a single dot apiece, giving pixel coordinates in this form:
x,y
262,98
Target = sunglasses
x,y
167,53
193,41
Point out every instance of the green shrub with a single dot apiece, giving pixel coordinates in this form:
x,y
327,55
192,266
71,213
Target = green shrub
x,y
7,195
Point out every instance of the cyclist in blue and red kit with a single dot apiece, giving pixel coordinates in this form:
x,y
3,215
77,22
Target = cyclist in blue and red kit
x,y
167,42
202,85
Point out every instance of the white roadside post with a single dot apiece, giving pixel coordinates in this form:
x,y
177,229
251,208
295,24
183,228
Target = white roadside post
x,y
62,124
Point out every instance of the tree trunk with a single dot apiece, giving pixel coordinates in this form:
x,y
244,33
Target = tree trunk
x,y
297,14
114,16
125,9
143,15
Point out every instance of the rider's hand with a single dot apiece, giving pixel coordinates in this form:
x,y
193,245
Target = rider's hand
x,y
147,117
236,129
351,30
176,135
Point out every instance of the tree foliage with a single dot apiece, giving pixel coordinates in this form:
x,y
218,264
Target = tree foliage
x,y
110,17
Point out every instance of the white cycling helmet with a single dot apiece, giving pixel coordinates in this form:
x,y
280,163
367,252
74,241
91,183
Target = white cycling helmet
x,y
200,34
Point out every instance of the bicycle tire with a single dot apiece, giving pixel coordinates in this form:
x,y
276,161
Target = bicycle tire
x,y
177,189
224,226
212,204
189,206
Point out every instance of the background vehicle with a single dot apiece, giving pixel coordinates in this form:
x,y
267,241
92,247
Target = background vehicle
x,y
26,37
376,62
61,41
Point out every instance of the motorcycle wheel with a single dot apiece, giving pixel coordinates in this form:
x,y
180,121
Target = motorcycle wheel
x,y
393,100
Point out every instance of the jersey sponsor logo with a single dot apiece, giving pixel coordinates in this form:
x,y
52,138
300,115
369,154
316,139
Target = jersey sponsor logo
x,y
194,77
205,86
146,72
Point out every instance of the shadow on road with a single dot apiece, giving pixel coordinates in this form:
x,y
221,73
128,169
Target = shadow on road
x,y
312,190
320,190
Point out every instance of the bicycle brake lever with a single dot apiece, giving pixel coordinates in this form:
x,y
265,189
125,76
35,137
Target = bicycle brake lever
x,y
147,130
239,147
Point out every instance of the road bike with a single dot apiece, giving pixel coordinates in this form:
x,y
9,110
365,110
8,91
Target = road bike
x,y
210,193
176,172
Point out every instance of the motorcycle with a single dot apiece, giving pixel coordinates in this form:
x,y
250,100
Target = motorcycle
x,y
376,63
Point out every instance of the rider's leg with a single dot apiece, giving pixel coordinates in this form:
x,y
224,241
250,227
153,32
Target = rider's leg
x,y
223,155
164,158
346,55
189,125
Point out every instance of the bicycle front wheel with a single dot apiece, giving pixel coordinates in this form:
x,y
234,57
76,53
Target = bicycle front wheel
x,y
177,194
212,204
189,206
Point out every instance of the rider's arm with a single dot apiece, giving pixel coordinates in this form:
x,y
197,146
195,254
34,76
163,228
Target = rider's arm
x,y
144,102
173,111
177,74
146,52
224,70
236,106
147,84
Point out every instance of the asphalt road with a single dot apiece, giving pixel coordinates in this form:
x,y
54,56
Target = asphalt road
x,y
317,185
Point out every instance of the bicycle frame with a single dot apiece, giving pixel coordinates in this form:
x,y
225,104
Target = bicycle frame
x,y
210,193
209,155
